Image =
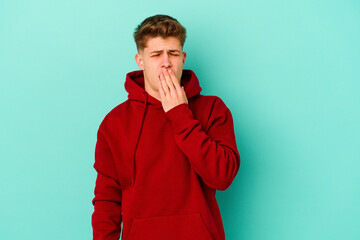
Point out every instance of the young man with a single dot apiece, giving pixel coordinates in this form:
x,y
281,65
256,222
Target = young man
x,y
161,155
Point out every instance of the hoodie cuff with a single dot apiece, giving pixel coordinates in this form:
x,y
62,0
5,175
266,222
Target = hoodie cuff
x,y
179,115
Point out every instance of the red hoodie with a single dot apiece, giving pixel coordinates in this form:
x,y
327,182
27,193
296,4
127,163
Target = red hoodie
x,y
157,172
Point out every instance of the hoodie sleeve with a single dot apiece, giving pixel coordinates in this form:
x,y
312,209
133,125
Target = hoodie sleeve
x,y
212,154
106,218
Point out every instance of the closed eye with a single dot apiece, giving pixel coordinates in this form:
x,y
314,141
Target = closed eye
x,y
170,54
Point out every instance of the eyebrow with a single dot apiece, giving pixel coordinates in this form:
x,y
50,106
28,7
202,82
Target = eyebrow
x,y
159,51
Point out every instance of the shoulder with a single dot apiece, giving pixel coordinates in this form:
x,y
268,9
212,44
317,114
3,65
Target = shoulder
x,y
208,108
211,101
114,115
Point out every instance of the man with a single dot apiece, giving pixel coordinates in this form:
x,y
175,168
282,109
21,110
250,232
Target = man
x,y
161,155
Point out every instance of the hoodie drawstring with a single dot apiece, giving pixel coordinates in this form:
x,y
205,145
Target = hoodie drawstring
x,y
142,122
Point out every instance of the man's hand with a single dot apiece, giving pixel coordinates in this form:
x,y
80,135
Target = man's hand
x,y
171,93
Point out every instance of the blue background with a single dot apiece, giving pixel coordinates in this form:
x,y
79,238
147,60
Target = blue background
x,y
288,71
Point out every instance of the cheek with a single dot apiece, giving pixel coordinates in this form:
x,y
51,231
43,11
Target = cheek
x,y
151,63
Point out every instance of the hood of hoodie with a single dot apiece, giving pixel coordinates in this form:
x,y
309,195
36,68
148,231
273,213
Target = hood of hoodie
x,y
134,85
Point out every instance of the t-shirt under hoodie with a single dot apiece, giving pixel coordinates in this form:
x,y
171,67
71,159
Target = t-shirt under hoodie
x,y
157,171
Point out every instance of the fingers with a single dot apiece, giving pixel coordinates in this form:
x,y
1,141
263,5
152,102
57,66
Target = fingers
x,y
161,90
170,81
164,85
175,82
170,90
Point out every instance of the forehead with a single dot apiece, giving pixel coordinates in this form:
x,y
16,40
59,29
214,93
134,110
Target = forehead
x,y
159,43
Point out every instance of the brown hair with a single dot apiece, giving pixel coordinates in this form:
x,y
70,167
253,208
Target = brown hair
x,y
158,25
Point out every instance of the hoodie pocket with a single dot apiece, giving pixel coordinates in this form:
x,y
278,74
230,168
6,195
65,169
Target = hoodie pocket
x,y
175,227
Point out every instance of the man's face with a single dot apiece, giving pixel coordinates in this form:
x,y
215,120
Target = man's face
x,y
160,54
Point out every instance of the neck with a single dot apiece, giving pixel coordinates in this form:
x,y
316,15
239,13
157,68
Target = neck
x,y
151,91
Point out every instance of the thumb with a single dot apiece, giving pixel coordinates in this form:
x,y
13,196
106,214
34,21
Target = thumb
x,y
184,91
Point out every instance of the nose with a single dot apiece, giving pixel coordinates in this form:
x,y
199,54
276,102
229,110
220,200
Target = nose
x,y
166,61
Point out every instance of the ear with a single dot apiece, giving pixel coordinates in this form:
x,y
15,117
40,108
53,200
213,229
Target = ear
x,y
184,57
139,61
